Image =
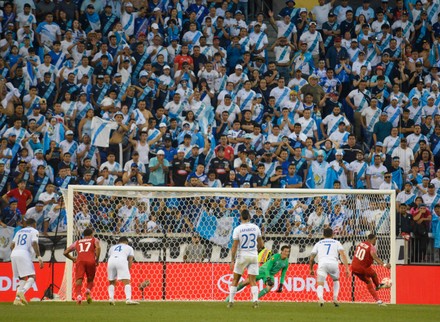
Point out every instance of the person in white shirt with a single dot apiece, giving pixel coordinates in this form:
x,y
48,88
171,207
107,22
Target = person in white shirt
x,y
375,173
321,11
405,155
314,41
327,252
24,246
244,254
120,260
388,184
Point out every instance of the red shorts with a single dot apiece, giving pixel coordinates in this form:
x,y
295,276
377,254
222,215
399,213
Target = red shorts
x,y
88,268
364,273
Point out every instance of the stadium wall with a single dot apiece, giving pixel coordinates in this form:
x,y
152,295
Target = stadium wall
x,y
414,283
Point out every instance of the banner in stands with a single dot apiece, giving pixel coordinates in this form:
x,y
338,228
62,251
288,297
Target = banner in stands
x,y
207,281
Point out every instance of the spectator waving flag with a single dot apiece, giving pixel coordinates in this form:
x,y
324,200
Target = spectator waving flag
x,y
101,131
31,74
217,230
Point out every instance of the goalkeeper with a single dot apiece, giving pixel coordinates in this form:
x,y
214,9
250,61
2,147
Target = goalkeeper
x,y
268,270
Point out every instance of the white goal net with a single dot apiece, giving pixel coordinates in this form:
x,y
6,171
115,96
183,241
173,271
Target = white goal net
x,y
182,237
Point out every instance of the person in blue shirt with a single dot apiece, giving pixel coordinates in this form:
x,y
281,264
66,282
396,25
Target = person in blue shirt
x,y
292,179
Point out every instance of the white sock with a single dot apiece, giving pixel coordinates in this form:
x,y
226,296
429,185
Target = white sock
x,y
335,290
254,292
320,292
127,290
20,287
111,292
28,284
232,291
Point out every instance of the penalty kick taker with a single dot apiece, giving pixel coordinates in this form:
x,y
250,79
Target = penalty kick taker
x,y
267,271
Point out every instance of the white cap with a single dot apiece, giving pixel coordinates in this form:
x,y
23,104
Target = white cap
x,y
415,96
238,66
156,9
180,151
162,125
160,152
394,98
69,132
143,74
166,67
434,83
128,4
155,26
339,152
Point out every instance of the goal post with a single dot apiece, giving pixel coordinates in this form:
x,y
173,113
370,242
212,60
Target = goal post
x,y
182,236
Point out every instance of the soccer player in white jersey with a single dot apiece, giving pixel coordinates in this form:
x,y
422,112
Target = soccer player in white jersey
x,y
24,246
327,251
244,254
120,259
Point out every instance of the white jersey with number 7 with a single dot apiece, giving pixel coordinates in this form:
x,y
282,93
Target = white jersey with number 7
x,y
247,235
327,250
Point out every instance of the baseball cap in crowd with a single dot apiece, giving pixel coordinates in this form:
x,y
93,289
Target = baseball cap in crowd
x,y
69,132
162,125
134,165
238,66
160,152
321,153
155,26
38,151
312,23
118,113
379,144
118,75
248,136
166,67
156,9
180,151
339,152
143,74
100,76
12,200
128,4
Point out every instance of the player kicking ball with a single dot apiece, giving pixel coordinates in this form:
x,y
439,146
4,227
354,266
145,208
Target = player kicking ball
x,y
88,251
327,251
24,246
364,256
244,254
267,271
120,259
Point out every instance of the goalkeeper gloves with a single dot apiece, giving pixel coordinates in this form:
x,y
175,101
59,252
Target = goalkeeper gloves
x,y
280,288
269,282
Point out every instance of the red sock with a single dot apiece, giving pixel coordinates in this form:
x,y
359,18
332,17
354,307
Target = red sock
x,y
372,291
375,280
90,286
78,289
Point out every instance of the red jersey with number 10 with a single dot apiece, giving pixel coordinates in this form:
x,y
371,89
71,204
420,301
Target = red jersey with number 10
x,y
362,256
85,249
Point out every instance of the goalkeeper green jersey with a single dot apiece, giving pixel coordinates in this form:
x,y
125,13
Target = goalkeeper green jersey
x,y
273,266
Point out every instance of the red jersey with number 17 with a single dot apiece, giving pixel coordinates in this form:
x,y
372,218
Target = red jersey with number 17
x,y
85,249
362,256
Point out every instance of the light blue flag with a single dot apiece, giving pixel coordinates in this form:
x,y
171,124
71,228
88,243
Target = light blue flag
x,y
310,181
397,178
219,231
331,177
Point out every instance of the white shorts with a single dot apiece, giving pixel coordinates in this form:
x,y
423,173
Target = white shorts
x,y
249,262
331,269
118,271
22,264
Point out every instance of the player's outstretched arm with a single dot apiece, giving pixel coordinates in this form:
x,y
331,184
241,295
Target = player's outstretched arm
x,y
379,261
344,261
37,253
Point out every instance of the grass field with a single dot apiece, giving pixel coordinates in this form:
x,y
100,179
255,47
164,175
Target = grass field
x,y
210,311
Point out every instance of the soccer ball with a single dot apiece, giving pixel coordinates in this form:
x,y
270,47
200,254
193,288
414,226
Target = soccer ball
x,y
387,282
264,255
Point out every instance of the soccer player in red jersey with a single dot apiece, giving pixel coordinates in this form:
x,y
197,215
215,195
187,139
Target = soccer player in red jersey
x,y
88,251
364,257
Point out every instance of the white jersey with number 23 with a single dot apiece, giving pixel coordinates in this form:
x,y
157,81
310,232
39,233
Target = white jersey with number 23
x,y
247,235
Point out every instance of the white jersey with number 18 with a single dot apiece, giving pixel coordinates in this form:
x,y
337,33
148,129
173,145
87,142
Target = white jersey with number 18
x,y
247,235
327,251
24,238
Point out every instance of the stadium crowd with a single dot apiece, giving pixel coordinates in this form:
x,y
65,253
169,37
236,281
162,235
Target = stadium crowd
x,y
198,93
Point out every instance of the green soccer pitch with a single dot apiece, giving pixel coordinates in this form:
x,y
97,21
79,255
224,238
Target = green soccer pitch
x,y
210,311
